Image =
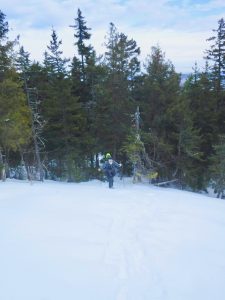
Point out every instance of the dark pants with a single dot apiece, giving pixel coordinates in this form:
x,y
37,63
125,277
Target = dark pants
x,y
110,180
110,174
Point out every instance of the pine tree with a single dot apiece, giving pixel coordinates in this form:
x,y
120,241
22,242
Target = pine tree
x,y
82,35
186,142
14,115
62,112
4,28
37,123
6,48
159,92
216,54
135,150
85,75
199,92
115,102
23,62
218,168
79,68
15,131
54,63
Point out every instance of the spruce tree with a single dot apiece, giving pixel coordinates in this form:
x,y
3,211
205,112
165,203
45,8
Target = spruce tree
x,y
81,35
218,168
158,93
63,114
216,54
14,117
4,28
134,148
37,122
185,140
15,130
85,75
115,102
198,90
216,58
6,48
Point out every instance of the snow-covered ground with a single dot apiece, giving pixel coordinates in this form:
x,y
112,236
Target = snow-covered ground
x,y
66,241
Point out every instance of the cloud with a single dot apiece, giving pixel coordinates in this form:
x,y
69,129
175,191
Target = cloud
x,y
179,27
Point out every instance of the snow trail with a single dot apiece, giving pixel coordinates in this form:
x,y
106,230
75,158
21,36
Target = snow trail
x,y
84,241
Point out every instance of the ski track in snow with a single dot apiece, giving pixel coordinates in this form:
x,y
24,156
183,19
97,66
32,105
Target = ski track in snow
x,y
135,242
125,252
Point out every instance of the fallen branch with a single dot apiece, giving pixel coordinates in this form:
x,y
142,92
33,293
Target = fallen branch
x,y
165,182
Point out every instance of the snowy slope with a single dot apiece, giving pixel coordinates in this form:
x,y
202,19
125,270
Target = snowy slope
x,y
86,242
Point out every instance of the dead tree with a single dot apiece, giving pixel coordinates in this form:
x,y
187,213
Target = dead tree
x,y
37,125
142,164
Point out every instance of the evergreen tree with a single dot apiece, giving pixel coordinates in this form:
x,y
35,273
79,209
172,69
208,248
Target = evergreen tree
x,y
186,141
62,112
15,130
199,92
37,123
82,35
216,54
54,63
218,168
6,48
14,114
23,62
135,151
79,68
85,75
115,102
4,28
159,92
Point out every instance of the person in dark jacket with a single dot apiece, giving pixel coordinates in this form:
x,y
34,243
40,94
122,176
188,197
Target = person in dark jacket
x,y
109,168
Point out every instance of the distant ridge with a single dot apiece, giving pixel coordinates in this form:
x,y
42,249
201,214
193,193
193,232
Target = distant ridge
x,y
184,77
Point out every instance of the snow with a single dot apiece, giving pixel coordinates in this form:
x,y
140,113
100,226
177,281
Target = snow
x,y
87,242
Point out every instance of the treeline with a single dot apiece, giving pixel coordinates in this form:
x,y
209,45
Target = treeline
x,y
58,115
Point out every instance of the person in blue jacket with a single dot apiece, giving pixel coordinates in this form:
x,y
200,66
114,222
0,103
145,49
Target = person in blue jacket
x,y
109,168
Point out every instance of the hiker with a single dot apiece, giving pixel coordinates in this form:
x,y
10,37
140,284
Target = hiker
x,y
109,168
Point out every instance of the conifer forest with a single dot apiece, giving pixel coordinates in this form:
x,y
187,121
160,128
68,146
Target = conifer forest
x,y
58,116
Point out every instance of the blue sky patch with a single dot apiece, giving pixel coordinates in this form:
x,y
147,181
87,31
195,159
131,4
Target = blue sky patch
x,y
185,3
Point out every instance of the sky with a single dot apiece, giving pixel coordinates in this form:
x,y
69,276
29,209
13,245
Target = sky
x,y
179,27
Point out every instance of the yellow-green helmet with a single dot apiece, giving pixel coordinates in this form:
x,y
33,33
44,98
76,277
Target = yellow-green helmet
x,y
108,156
